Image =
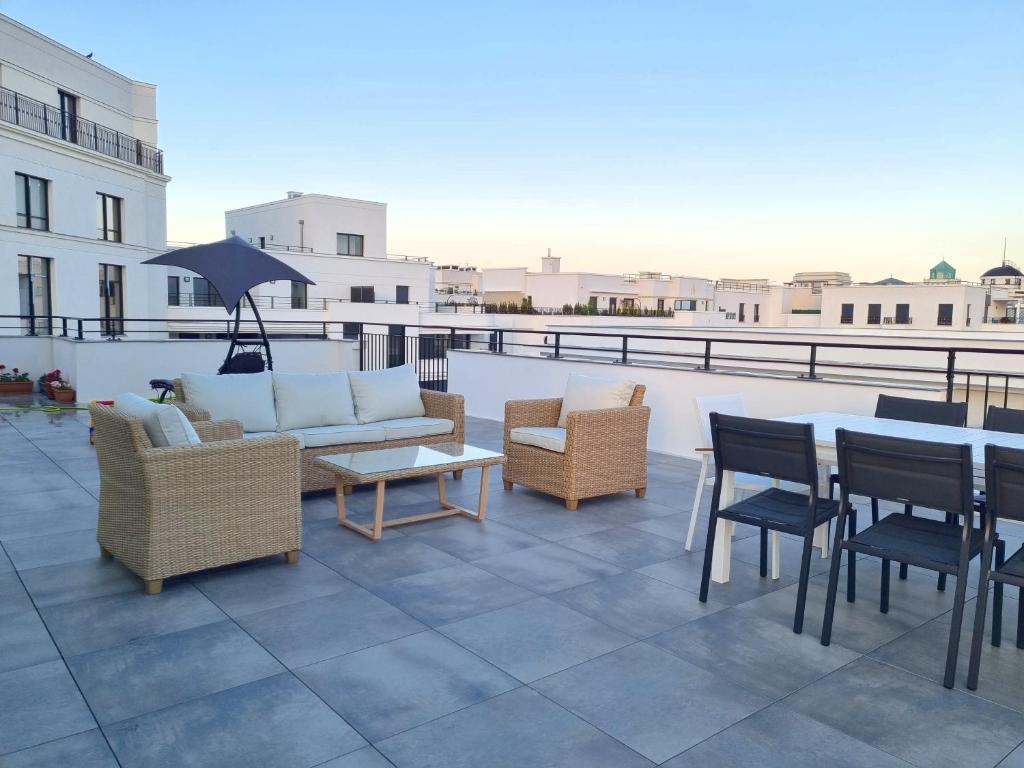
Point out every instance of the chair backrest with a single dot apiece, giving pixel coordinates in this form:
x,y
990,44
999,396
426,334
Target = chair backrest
x,y
775,449
1004,482
638,395
731,405
923,411
918,472
1004,419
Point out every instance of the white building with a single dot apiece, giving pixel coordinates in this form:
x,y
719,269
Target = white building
x,y
457,285
82,188
340,244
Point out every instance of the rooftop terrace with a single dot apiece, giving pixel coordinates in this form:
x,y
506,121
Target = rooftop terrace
x,y
539,637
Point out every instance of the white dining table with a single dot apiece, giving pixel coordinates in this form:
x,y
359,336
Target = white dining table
x,y
825,425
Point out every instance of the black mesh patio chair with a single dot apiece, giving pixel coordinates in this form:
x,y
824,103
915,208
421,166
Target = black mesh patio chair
x,y
1004,486
916,472
923,412
1004,419
781,451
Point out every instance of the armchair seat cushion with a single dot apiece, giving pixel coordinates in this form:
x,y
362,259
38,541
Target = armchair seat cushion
x,y
339,434
548,438
418,426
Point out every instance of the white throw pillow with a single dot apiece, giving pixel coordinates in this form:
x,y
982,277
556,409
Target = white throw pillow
x,y
393,393
165,424
246,397
313,400
588,393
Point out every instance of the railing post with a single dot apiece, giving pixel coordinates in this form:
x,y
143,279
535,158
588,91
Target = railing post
x,y
625,345
501,341
64,327
950,373
814,361
324,334
707,355
80,335
558,344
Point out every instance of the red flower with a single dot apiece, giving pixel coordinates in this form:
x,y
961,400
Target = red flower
x,y
16,371
3,367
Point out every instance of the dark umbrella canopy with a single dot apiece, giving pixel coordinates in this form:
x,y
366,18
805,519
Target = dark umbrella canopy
x,y
232,266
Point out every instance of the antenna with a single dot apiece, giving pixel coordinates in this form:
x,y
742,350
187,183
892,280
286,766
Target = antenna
x,y
1004,249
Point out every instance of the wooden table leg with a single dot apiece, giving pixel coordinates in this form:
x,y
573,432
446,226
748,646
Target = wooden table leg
x,y
481,509
378,511
441,497
339,492
722,554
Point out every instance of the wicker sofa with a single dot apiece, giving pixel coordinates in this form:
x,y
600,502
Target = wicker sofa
x,y
174,510
604,451
437,405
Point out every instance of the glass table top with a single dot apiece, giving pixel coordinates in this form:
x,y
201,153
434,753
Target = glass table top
x,y
408,457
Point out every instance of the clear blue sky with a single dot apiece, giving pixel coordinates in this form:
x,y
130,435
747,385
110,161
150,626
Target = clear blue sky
x,y
739,139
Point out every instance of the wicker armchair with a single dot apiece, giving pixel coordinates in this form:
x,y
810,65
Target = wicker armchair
x,y
605,450
170,511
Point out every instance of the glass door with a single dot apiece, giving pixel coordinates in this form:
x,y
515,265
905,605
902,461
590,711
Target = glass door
x,y
111,299
34,295
69,117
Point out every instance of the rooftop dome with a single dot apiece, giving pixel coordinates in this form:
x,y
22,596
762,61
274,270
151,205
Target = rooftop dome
x,y
891,281
1004,270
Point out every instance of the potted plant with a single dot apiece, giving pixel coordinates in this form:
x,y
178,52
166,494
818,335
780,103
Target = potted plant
x,y
46,382
62,391
14,381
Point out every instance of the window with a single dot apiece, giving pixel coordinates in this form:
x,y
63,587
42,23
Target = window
x,y
967,316
685,305
592,303
204,294
33,202
363,294
34,294
945,314
112,299
611,305
68,116
299,295
628,303
742,312
661,305
350,245
902,314
757,313
874,314
350,330
846,314
108,217
401,294
173,291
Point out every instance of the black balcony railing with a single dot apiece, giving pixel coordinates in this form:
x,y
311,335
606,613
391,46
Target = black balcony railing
x,y
42,118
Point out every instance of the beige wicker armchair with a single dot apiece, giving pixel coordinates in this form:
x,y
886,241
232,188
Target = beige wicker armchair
x,y
170,511
605,450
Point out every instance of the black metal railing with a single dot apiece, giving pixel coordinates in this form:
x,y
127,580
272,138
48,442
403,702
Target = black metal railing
x,y
427,347
36,116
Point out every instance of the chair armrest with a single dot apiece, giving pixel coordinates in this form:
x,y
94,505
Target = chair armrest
x,y
191,412
212,431
607,433
446,405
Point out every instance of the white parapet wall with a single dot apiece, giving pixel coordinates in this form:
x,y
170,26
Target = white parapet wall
x,y
101,370
488,380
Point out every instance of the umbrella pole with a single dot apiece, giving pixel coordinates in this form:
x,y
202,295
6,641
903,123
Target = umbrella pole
x,y
234,335
263,331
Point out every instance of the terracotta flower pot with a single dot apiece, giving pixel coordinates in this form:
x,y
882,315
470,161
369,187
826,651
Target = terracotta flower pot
x,y
15,387
64,395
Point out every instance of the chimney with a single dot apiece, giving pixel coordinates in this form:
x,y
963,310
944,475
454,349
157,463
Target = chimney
x,y
550,264
292,194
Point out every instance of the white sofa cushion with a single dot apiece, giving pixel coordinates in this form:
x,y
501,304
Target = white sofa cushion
x,y
254,435
418,426
247,397
339,434
165,424
393,393
313,400
589,393
549,438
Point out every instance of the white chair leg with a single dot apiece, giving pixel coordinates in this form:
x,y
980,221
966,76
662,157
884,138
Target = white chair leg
x,y
701,480
776,554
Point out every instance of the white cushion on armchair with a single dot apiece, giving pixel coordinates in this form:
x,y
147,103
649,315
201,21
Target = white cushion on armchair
x,y
393,393
165,424
246,397
589,393
313,400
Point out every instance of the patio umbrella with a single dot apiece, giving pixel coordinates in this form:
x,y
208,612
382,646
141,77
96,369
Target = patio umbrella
x,y
233,266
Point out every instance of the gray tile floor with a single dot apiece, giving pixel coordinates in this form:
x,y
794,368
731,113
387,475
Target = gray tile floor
x,y
540,637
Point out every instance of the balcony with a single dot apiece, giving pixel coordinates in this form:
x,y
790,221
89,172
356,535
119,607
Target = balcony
x,y
18,109
538,637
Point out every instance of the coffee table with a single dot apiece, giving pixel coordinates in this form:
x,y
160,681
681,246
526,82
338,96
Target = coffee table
x,y
401,463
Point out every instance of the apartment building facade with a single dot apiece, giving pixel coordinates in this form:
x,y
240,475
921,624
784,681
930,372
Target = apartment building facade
x,y
82,188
